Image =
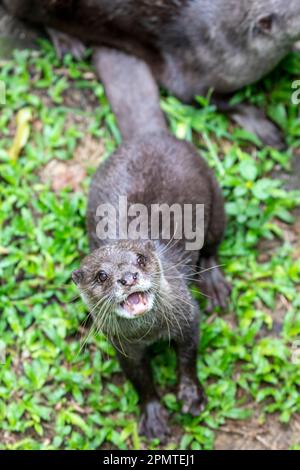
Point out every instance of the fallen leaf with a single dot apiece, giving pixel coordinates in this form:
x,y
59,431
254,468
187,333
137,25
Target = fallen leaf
x,y
24,117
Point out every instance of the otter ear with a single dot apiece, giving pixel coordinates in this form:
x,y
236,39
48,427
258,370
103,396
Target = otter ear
x,y
265,24
78,276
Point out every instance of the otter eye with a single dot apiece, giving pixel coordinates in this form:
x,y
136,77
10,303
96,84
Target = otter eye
x,y
101,276
141,260
265,23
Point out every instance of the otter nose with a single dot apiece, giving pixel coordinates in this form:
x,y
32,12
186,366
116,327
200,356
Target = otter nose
x,y
128,279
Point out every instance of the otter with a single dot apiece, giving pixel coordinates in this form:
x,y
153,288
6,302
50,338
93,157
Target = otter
x,y
136,288
191,46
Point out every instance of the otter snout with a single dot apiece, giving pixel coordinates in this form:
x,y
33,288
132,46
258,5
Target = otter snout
x,y
129,279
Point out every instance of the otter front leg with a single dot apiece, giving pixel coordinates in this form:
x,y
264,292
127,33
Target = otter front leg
x,y
136,366
253,120
190,391
65,44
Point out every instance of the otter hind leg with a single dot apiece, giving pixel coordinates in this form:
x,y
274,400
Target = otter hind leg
x,y
65,44
211,280
213,284
190,391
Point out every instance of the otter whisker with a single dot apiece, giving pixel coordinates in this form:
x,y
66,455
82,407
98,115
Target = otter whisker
x,y
176,265
84,322
193,290
164,249
212,267
175,296
89,334
169,310
161,308
150,329
105,319
166,302
101,316
92,329
76,297
115,323
121,351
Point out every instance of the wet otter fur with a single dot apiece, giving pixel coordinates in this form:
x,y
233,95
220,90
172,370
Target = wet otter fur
x,y
137,289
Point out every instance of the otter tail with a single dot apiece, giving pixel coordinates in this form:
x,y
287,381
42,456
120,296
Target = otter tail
x,y
132,92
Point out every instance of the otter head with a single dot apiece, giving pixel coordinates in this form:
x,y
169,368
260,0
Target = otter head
x,y
275,23
120,279
239,41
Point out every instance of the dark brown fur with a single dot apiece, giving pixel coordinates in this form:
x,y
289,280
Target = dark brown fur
x,y
158,169
192,46
151,167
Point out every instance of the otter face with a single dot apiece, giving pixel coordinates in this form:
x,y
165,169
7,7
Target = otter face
x,y
121,278
275,22
262,33
236,42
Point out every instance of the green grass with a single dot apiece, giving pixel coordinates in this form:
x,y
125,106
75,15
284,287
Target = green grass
x,y
55,394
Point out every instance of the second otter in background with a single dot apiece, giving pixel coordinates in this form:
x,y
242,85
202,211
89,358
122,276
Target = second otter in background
x,y
192,46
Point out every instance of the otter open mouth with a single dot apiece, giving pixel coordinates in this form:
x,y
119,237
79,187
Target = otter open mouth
x,y
137,304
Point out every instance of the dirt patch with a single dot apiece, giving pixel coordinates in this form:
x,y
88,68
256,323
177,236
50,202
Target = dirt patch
x,y
61,174
89,152
252,434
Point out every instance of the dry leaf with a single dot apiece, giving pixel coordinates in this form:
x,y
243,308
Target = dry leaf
x,y
24,117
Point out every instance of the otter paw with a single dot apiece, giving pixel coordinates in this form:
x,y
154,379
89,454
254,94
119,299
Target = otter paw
x,y
255,121
213,285
65,44
192,396
153,423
